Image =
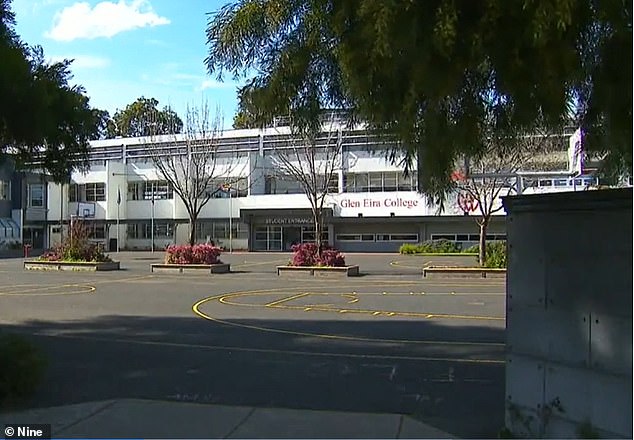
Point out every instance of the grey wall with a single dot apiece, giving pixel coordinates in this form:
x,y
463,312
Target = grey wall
x,y
569,314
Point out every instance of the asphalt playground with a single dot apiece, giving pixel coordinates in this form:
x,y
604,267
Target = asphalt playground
x,y
388,341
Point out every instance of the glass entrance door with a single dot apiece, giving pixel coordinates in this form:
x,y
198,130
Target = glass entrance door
x,y
292,235
267,238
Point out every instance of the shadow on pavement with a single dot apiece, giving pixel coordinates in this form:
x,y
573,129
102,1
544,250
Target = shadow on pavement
x,y
458,388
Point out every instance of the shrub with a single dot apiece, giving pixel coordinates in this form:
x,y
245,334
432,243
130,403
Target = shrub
x,y
475,249
430,247
408,248
496,254
197,254
21,368
305,254
76,246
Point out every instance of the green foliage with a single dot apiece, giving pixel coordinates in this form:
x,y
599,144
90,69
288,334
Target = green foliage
x,y
77,246
475,249
440,75
21,368
44,121
496,254
143,118
430,247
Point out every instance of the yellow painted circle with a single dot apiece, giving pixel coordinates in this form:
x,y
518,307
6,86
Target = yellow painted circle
x,y
225,299
44,290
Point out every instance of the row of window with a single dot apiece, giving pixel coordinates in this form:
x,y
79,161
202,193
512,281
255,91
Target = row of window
x,y
378,237
219,230
468,237
541,183
386,181
143,230
87,192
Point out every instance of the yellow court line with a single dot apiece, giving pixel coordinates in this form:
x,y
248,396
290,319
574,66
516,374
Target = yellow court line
x,y
197,311
83,288
289,298
278,351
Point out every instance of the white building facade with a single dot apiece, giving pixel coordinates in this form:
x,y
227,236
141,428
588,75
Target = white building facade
x,y
372,206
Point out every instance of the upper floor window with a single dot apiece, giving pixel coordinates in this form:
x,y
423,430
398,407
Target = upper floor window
x,y
385,181
5,190
150,190
220,188
35,195
275,185
89,192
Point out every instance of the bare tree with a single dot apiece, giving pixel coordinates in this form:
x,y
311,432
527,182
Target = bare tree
x,y
484,179
193,164
312,160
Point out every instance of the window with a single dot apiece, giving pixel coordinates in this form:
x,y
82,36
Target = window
x,y
404,237
387,181
376,182
333,184
348,237
239,187
97,231
367,237
157,190
95,192
36,195
134,190
219,230
143,230
5,190
274,185
74,193
406,183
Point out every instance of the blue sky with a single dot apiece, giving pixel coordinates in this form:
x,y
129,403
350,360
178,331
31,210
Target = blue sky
x,y
124,49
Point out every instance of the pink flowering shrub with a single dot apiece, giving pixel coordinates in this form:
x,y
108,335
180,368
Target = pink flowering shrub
x,y
76,246
305,254
196,254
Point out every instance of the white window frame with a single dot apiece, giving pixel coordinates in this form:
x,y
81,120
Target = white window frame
x,y
30,195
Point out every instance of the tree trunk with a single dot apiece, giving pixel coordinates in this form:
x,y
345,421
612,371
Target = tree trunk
x,y
482,257
192,229
318,228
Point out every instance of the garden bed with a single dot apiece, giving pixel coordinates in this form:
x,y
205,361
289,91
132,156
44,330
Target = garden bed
x,y
191,268
318,271
73,266
463,272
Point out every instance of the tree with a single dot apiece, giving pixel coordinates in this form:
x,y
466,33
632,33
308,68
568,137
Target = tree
x,y
45,123
494,173
143,118
426,71
193,163
312,160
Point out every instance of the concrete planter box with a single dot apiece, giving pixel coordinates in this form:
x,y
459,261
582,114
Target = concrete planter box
x,y
463,272
191,268
74,266
318,271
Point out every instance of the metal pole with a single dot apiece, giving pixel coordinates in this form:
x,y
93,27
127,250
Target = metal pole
x,y
230,222
152,218
118,217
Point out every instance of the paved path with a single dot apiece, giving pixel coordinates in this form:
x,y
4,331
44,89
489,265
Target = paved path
x,y
135,418
388,342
